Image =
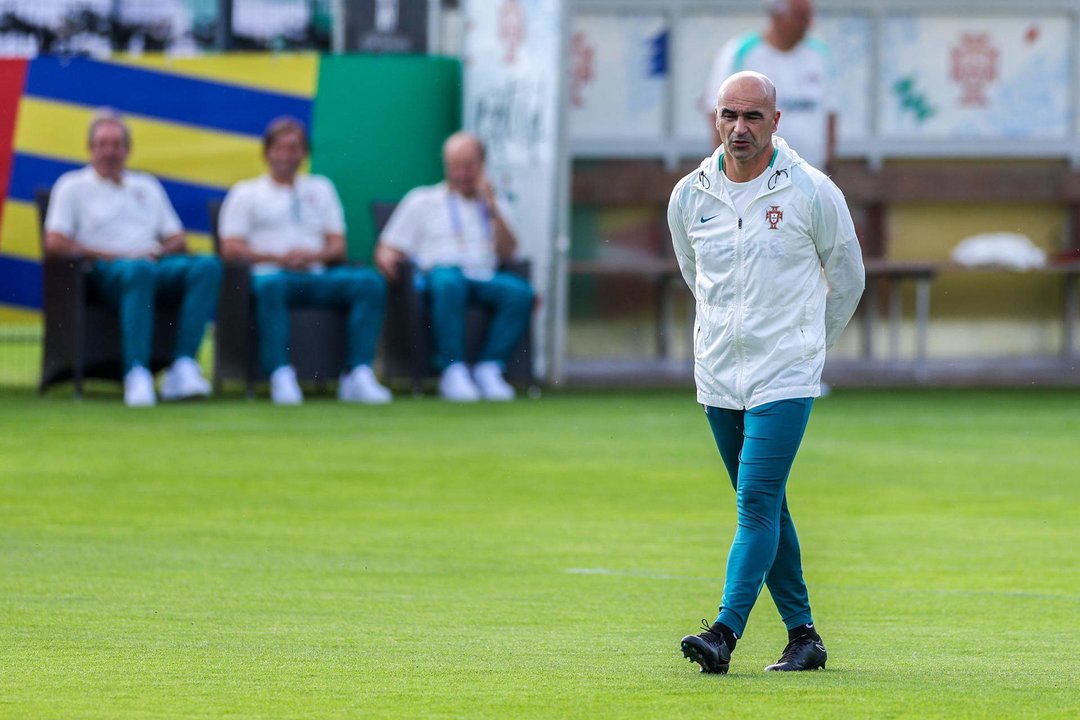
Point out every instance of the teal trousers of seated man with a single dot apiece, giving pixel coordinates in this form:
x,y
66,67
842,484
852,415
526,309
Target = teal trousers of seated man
x,y
132,287
361,291
509,297
758,446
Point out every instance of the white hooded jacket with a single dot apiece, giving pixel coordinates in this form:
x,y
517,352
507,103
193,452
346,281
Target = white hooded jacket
x,y
774,288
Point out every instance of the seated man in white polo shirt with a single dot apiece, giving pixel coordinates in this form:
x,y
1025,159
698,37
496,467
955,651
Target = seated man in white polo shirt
x,y
457,232
123,221
291,226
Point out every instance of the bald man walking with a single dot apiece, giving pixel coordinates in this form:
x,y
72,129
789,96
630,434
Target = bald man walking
x,y
766,244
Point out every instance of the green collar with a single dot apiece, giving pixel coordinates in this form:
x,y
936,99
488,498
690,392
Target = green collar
x,y
775,152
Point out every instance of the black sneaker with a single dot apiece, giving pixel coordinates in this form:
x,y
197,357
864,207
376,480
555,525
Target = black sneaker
x,y
708,650
802,653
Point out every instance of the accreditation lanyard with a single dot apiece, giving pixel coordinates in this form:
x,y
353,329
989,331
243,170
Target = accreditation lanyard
x,y
455,220
296,211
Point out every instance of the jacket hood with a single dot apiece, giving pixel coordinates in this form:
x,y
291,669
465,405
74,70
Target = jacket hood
x,y
708,173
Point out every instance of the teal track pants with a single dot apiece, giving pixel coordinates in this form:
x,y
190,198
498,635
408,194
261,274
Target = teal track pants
x,y
131,286
449,292
360,290
758,447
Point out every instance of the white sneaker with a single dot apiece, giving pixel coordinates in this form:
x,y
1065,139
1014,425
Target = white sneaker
x,y
489,380
284,390
184,379
139,388
361,386
455,384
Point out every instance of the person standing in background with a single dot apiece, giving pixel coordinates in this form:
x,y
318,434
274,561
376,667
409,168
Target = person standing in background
x,y
798,65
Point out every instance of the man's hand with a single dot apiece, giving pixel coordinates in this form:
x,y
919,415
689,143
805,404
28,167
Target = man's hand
x,y
58,245
172,245
299,259
505,242
486,192
387,260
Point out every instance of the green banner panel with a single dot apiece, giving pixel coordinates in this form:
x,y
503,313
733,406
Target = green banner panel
x,y
377,130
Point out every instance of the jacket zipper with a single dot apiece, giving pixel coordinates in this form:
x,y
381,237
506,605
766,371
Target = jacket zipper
x,y
740,255
740,373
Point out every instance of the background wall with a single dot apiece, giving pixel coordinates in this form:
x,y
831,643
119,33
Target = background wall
x,y
941,84
379,124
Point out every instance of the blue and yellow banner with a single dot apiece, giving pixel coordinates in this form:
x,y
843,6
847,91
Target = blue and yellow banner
x,y
196,124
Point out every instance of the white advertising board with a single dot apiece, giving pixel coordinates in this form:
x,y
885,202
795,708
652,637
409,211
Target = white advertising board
x,y
849,38
618,70
696,40
513,72
994,78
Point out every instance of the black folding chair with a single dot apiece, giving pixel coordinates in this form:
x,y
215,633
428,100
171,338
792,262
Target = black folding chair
x,y
407,342
82,332
317,335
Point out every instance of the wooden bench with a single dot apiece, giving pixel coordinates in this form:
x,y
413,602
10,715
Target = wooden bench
x,y
922,274
633,183
662,272
981,182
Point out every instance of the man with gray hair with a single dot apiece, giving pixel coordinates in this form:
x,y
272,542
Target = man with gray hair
x,y
766,245
800,67
457,232
122,220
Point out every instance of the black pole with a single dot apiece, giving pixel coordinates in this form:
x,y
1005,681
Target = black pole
x,y
114,26
224,36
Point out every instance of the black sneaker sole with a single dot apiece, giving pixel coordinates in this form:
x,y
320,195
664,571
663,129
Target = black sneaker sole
x,y
778,669
819,665
693,654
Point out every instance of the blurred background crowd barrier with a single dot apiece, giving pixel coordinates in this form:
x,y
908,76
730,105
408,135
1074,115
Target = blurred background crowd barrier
x,y
956,119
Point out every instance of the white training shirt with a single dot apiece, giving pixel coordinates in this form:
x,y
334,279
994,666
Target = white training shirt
x,y
803,78
126,219
741,193
274,218
436,226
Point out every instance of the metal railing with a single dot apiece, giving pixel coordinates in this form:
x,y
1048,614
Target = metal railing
x,y
99,27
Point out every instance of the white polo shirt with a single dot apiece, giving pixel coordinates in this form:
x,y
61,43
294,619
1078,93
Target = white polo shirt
x,y
436,226
127,219
274,218
803,80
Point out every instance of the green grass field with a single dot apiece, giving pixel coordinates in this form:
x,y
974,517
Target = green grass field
x,y
539,559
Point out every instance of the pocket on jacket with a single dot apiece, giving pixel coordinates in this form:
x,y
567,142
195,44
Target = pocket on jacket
x,y
810,337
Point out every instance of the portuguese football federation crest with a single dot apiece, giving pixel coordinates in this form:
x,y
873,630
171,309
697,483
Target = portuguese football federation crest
x,y
975,67
774,215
